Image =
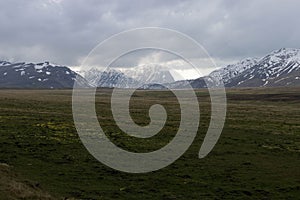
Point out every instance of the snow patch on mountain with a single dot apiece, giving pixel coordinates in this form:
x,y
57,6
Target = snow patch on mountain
x,y
128,77
40,75
278,68
227,73
150,73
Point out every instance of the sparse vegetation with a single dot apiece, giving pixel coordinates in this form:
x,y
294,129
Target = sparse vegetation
x,y
13,187
257,156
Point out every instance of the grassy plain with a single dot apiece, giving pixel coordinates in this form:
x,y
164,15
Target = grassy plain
x,y
257,156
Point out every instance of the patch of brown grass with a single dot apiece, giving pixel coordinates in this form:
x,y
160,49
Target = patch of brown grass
x,y
12,187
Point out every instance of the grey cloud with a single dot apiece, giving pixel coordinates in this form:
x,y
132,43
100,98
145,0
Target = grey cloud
x,y
65,31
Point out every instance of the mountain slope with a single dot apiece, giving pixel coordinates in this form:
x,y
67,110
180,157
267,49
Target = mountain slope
x,y
233,70
128,77
279,68
149,74
108,78
115,78
215,78
40,75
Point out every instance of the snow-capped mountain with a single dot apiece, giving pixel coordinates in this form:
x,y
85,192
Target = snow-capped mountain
x,y
109,78
279,68
149,74
115,78
40,75
223,75
233,70
128,77
3,63
92,76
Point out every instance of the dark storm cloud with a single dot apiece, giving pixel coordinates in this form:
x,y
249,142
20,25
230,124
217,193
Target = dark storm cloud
x,y
65,31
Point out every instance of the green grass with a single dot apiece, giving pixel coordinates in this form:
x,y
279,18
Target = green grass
x,y
257,156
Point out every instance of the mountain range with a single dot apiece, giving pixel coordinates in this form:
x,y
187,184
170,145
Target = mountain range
x,y
278,68
152,74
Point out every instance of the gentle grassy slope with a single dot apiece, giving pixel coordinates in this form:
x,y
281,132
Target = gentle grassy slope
x,y
12,187
257,156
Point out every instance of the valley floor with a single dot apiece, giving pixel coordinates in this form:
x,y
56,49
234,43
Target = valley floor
x,y
257,156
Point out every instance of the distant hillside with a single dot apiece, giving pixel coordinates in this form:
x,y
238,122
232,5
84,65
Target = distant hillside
x,y
40,75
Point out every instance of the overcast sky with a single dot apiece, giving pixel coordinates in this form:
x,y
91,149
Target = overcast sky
x,y
64,32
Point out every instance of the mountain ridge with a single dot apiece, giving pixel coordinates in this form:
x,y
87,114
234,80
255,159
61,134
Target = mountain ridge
x,y
278,68
38,75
